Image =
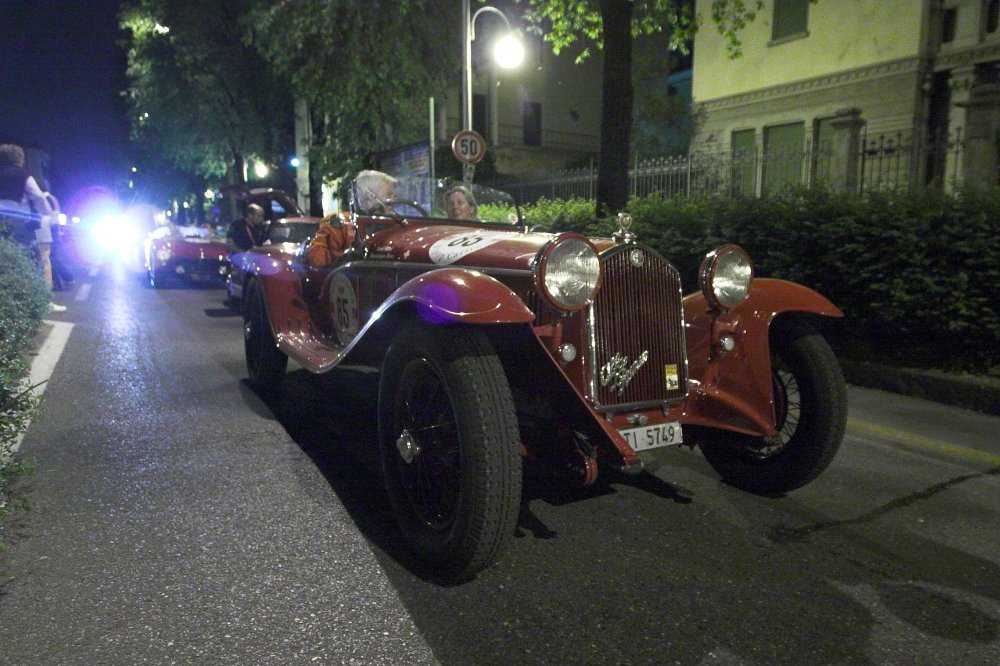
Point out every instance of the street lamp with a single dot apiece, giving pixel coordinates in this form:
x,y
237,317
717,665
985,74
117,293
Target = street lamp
x,y
508,52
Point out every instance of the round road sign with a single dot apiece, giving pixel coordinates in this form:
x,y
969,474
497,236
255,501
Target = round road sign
x,y
468,146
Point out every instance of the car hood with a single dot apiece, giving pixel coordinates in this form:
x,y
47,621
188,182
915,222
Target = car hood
x,y
456,245
198,248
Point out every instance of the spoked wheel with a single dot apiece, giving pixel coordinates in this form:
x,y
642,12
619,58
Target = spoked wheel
x,y
449,446
265,362
810,402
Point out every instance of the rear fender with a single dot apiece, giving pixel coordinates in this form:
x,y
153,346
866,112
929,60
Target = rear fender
x,y
732,390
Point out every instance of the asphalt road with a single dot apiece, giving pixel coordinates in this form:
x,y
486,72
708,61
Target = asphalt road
x,y
173,517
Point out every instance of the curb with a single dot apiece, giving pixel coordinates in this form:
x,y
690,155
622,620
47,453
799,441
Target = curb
x,y
981,394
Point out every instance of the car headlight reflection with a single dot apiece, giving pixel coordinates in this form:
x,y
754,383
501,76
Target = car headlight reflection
x,y
726,275
570,272
163,253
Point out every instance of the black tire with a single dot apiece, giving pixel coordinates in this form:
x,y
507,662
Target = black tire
x,y
266,363
444,390
157,278
811,405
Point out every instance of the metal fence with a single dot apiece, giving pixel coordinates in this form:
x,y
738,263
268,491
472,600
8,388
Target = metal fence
x,y
884,161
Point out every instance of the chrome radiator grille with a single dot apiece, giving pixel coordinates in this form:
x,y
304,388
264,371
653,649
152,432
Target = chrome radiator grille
x,y
637,311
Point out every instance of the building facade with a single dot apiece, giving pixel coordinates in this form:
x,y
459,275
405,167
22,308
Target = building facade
x,y
544,114
856,93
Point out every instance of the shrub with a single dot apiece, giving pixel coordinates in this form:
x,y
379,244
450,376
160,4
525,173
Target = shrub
x,y
24,301
913,271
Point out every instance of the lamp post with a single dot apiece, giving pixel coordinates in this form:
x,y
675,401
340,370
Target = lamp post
x,y
508,52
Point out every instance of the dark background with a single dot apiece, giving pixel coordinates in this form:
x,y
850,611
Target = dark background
x,y
62,73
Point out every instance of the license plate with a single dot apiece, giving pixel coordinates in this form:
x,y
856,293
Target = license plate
x,y
653,436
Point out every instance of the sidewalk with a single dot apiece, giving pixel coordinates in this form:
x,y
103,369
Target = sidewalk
x,y
981,394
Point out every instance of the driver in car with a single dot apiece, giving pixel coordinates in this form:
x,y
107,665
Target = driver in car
x,y
336,233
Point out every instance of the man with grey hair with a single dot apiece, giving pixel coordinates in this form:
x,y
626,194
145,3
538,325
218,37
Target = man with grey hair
x,y
336,234
373,189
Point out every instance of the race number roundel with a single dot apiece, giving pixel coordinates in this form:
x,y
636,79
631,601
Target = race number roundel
x,y
343,308
469,146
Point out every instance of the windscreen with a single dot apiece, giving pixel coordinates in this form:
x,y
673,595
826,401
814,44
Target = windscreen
x,y
441,198
291,232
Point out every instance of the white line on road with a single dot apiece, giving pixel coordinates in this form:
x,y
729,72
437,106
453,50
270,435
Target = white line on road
x,y
83,293
43,364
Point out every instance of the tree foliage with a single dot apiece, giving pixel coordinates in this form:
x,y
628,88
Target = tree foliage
x,y
199,96
366,70
611,25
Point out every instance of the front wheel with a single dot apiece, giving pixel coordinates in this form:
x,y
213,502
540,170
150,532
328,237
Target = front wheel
x,y
810,402
449,446
157,278
265,362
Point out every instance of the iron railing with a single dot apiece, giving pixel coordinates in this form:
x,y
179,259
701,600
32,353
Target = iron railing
x,y
883,161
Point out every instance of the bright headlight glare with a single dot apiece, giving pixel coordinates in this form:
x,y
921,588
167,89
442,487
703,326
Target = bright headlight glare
x,y
572,272
163,254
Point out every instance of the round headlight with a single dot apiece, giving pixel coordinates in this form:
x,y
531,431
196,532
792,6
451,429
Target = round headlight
x,y
569,272
163,253
725,276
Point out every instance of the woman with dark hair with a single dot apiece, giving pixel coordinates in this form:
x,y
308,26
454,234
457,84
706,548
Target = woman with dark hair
x,y
19,194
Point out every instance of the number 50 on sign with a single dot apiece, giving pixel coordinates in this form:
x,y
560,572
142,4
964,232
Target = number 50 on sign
x,y
468,146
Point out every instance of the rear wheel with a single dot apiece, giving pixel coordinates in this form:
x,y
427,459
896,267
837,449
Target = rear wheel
x,y
810,402
449,446
265,362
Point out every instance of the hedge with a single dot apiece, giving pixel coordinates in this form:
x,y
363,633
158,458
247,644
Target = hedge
x,y
24,300
915,272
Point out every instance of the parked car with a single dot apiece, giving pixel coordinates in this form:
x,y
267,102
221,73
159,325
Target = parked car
x,y
187,253
496,342
286,224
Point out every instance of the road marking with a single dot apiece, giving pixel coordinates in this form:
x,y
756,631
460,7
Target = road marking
x,y
44,363
83,293
921,442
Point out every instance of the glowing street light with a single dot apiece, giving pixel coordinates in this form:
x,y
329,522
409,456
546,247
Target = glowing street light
x,y
508,52
261,170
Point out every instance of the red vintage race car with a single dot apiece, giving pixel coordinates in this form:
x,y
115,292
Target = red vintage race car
x,y
186,253
495,342
286,224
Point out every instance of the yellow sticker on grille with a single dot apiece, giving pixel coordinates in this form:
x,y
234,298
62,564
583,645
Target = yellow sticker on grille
x,y
673,379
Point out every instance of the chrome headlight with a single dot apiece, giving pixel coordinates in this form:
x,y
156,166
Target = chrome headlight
x,y
569,272
163,253
725,276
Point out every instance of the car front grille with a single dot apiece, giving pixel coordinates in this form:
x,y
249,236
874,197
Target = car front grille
x,y
637,311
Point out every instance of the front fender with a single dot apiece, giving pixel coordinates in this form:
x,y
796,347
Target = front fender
x,y
460,295
447,295
733,390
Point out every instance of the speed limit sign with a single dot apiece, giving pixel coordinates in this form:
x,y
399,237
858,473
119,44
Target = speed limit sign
x,y
468,146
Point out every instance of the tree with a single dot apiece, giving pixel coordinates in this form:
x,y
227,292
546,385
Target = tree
x,y
611,25
199,96
365,69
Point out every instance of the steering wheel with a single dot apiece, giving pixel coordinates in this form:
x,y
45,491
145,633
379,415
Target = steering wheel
x,y
392,203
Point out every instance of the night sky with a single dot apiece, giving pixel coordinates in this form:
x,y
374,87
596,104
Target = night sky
x,y
62,70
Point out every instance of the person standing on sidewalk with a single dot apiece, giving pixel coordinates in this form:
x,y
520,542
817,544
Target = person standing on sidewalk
x,y
19,194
